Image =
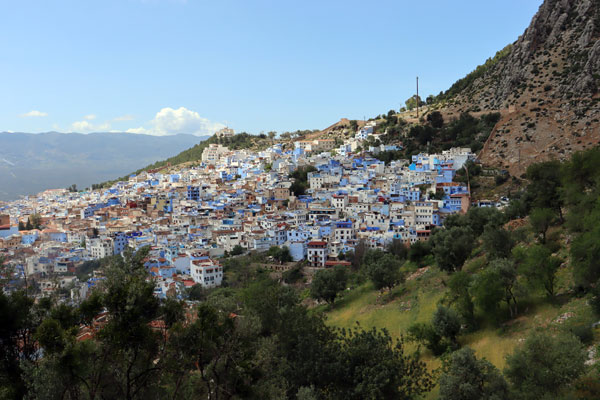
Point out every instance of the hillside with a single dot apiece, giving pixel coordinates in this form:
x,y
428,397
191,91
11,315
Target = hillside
x,y
30,163
546,85
193,154
505,275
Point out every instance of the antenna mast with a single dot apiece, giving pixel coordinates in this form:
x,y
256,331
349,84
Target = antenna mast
x,y
417,98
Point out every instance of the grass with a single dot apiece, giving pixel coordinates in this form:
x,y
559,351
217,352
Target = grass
x,y
416,301
413,302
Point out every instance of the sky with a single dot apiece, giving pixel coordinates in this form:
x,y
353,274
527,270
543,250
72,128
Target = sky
x,y
173,66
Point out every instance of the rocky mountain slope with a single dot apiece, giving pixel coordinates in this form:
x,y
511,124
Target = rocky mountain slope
x,y
546,85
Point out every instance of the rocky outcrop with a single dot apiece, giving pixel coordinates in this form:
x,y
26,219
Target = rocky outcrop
x,y
547,87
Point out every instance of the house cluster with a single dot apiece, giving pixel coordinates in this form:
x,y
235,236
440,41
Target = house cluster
x,y
233,201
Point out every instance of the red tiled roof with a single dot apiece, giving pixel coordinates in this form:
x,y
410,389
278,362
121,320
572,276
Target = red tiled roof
x,y
334,263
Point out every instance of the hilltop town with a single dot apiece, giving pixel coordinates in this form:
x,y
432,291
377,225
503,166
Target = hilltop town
x,y
317,200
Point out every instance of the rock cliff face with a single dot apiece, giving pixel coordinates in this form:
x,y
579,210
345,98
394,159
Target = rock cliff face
x,y
546,84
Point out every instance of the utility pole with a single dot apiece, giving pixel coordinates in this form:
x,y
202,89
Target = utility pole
x,y
417,98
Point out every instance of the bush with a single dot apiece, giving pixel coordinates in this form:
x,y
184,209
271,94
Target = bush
x,y
583,332
595,300
500,179
452,247
418,251
467,378
545,364
293,275
328,283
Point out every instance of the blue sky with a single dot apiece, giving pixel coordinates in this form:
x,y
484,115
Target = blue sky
x,y
167,66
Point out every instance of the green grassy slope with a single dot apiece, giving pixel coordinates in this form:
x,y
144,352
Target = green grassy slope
x,y
417,299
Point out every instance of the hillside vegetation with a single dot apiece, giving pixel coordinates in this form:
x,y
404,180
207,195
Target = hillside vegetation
x,y
491,281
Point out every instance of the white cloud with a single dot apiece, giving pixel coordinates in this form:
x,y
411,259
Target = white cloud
x,y
87,127
141,129
34,113
169,121
82,126
126,117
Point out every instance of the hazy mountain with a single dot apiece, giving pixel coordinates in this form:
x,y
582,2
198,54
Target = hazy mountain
x,y
30,163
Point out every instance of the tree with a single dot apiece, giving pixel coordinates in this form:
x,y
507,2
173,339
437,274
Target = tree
x,y
298,188
411,102
172,311
479,217
328,283
20,320
440,334
286,136
446,323
539,267
507,274
237,250
595,300
487,290
517,208
540,220
398,249
497,242
452,247
271,134
196,293
34,222
372,366
130,343
90,307
460,297
357,257
293,275
281,254
585,256
435,119
465,377
353,125
545,364
418,251
425,334
544,188
384,272
422,133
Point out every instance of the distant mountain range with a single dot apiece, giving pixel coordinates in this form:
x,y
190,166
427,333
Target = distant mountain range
x,y
30,163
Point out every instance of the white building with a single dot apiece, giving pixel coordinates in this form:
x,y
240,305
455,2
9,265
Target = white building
x,y
207,273
212,154
317,253
339,201
100,247
225,132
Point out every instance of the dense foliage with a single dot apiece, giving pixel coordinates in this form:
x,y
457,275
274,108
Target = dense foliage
x,y
300,177
253,342
433,134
